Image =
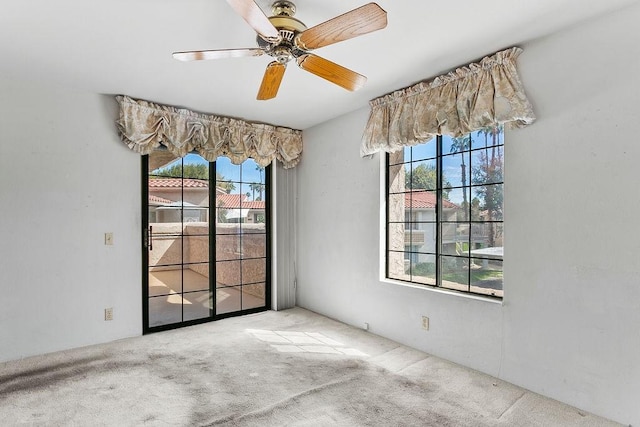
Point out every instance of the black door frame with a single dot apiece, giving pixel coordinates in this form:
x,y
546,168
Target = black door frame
x,y
144,239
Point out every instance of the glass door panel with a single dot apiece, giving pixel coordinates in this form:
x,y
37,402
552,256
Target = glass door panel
x,y
178,239
241,230
195,272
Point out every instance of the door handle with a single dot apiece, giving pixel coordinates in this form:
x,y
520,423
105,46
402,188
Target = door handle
x,y
150,238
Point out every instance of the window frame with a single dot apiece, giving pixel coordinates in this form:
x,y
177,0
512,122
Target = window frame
x,y
470,222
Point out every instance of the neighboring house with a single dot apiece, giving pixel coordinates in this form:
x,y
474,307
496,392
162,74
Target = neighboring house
x,y
196,191
420,218
236,208
167,196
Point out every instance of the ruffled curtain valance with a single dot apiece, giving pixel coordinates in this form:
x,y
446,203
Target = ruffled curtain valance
x,y
144,126
473,97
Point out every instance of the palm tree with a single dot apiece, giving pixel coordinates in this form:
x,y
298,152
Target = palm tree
x,y
461,145
260,169
256,187
225,185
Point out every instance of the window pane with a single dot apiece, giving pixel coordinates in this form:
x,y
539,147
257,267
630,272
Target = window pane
x,y
487,201
486,166
226,171
228,300
398,267
398,177
195,277
423,175
455,273
253,296
426,150
397,237
165,245
396,207
227,247
165,281
479,140
254,245
421,237
165,310
455,145
194,167
195,249
162,161
252,172
486,277
197,305
227,273
422,204
455,238
254,270
456,170
487,137
486,239
455,206
423,269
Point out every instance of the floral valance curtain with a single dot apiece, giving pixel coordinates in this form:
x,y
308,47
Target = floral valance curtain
x,y
473,97
144,126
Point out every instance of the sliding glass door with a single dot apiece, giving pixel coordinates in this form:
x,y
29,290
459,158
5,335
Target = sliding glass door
x,y
205,240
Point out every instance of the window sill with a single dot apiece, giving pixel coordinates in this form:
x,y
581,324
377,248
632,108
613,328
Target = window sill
x,y
442,291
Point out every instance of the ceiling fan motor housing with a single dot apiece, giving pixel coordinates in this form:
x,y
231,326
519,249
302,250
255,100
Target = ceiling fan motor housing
x,y
288,27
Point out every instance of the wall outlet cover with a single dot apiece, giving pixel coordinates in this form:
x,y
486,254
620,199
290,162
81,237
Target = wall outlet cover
x,y
425,323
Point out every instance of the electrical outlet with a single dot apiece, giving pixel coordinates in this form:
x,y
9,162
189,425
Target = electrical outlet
x,y
425,323
108,239
108,313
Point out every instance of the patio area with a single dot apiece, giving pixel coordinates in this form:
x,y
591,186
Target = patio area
x,y
182,295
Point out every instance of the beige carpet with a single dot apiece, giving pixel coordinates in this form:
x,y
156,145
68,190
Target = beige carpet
x,y
291,368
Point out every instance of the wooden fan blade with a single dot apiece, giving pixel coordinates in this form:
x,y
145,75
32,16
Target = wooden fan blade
x,y
198,55
332,72
363,20
271,80
256,18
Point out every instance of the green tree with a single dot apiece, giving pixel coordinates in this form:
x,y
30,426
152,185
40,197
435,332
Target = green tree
x,y
462,145
256,187
193,171
424,177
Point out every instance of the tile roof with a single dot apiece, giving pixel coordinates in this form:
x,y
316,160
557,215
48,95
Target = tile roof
x,y
155,200
177,183
234,201
425,200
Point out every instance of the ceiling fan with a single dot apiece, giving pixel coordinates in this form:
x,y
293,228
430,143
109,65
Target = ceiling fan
x,y
285,38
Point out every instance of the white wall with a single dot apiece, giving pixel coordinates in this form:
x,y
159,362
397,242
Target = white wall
x,y
569,323
65,180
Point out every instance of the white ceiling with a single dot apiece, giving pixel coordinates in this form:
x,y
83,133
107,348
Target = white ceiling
x,y
125,46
